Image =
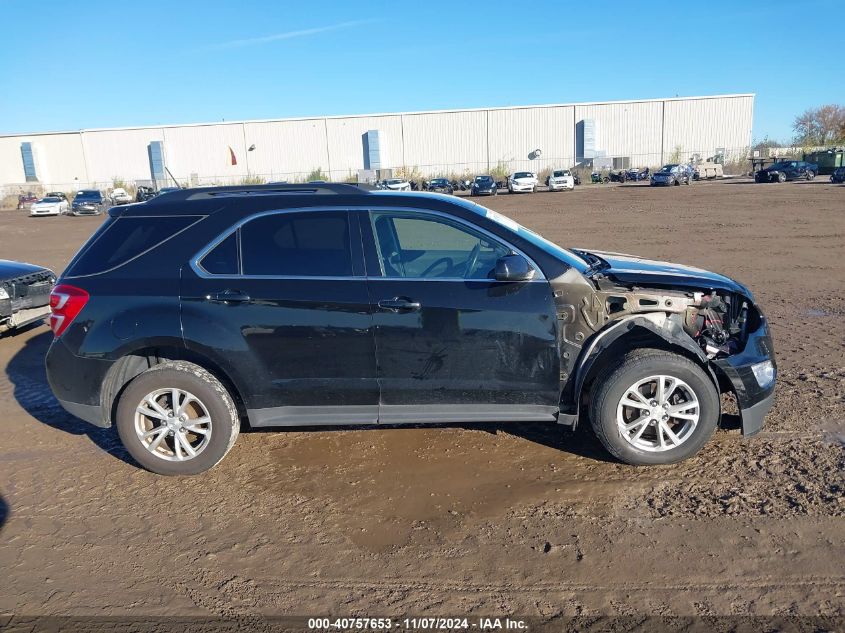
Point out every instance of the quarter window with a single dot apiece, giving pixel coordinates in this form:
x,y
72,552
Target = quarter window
x,y
223,258
432,248
313,244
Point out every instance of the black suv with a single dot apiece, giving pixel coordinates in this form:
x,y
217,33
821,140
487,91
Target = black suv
x,y
281,305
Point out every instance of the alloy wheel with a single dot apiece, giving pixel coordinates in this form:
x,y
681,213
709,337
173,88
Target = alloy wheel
x,y
658,413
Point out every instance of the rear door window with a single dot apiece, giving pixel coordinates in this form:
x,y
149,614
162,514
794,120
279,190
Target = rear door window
x,y
310,244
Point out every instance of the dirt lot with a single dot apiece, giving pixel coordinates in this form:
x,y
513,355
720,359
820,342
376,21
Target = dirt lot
x,y
520,518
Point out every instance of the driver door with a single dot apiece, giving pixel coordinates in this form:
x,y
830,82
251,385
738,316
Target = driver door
x,y
452,342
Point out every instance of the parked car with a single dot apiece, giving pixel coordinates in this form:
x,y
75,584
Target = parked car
x,y
144,193
24,294
787,170
560,180
120,196
48,205
636,174
484,186
838,175
349,306
397,184
88,202
25,200
672,174
522,181
440,185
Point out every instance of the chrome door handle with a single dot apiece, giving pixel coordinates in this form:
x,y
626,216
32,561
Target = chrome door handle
x,y
228,297
399,304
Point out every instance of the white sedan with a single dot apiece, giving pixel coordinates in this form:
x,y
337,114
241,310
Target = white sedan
x,y
561,179
522,181
397,184
51,205
120,196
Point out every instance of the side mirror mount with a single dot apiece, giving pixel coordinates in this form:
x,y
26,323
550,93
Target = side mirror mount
x,y
513,267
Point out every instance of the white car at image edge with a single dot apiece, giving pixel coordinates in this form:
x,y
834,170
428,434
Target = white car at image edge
x,y
522,182
397,184
50,205
561,180
120,196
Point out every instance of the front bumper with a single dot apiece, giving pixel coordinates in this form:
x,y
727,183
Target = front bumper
x,y
559,186
483,192
754,400
522,188
662,182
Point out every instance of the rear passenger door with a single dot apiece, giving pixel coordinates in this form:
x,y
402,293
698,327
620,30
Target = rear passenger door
x,y
281,300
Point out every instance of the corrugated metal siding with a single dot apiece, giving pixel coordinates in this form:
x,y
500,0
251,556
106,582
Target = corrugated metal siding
x,y
345,139
702,125
205,151
446,142
514,134
454,142
119,154
626,129
287,149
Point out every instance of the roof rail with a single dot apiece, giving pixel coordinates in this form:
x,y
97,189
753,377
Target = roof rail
x,y
303,189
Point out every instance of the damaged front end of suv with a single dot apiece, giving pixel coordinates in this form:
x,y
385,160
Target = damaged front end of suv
x,y
624,303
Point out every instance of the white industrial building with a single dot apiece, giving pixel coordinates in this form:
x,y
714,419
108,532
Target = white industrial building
x,y
634,133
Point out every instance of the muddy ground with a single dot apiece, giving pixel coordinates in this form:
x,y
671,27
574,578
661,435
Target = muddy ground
x,y
498,519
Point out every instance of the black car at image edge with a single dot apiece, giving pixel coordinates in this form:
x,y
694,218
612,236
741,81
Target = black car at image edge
x,y
188,315
787,170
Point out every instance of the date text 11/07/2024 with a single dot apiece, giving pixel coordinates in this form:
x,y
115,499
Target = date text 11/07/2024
x,y
417,624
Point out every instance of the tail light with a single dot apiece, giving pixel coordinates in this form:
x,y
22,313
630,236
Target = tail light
x,y
65,303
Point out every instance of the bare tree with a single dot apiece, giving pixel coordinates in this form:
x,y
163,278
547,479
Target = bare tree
x,y
820,126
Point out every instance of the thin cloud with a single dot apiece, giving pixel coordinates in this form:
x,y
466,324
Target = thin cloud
x,y
289,35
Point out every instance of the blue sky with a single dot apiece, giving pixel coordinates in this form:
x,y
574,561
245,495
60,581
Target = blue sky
x,y
70,65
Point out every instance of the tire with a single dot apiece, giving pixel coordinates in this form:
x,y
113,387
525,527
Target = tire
x,y
810,175
781,177
211,400
607,411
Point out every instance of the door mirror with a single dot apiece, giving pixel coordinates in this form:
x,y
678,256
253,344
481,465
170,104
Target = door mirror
x,y
514,267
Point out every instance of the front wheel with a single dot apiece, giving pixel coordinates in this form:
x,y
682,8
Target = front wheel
x,y
656,407
781,177
176,418
811,175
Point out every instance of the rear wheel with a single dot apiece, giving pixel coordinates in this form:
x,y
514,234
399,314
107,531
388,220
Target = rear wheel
x,y
656,407
781,177
177,419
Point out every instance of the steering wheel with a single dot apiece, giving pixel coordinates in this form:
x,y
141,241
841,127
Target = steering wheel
x,y
442,260
472,260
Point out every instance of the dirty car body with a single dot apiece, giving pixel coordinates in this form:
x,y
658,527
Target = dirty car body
x,y
420,308
24,294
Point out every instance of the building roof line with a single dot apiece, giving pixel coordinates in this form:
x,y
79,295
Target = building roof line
x,y
375,114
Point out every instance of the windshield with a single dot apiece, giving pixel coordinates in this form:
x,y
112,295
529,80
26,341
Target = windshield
x,y
783,165
394,181
535,239
50,199
482,180
668,168
523,174
561,173
88,195
438,181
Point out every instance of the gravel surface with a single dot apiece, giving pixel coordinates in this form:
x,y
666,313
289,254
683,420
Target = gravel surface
x,y
472,519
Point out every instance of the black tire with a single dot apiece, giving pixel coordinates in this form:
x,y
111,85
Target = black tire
x,y
199,382
612,384
811,174
781,177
